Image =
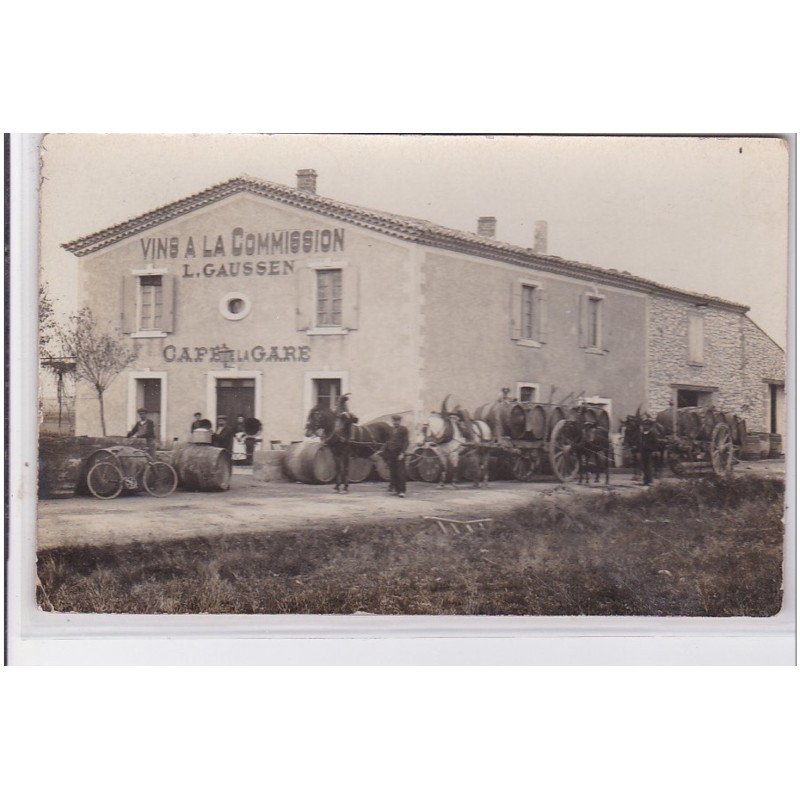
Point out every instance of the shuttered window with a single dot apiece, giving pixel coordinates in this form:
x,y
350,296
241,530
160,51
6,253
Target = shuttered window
x,y
329,298
593,321
151,303
530,329
695,338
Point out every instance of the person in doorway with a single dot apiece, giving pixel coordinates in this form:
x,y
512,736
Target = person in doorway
x,y
144,429
239,452
198,421
223,434
394,454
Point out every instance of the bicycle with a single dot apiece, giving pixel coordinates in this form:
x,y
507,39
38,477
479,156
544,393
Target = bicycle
x,y
128,468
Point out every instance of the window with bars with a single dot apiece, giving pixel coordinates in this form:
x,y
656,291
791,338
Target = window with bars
x,y
329,298
151,303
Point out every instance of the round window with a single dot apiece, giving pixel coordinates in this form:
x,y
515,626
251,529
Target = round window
x,y
234,305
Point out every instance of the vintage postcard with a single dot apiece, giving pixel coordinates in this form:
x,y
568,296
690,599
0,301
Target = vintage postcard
x,y
517,376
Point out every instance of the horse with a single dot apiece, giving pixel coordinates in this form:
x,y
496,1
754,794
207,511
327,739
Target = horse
x,y
343,437
454,434
591,447
636,442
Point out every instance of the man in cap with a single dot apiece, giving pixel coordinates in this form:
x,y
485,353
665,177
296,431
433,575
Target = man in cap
x,y
223,434
143,429
648,445
394,454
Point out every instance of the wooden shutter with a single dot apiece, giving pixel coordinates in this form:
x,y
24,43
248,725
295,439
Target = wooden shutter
x,y
541,312
168,303
583,322
130,288
350,297
516,310
305,291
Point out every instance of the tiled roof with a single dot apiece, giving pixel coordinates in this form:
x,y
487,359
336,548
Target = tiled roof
x,y
419,231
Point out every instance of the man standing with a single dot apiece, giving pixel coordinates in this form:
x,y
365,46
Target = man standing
x,y
648,446
223,435
144,429
198,420
394,454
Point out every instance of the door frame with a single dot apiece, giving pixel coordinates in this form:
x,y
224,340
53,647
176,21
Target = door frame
x,y
231,374
132,404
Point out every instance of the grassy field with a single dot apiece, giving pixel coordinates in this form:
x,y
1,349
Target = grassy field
x,y
692,548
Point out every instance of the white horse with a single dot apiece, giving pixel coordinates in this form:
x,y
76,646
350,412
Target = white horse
x,y
455,434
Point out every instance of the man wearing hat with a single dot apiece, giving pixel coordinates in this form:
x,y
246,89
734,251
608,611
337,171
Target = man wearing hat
x,y
223,434
394,454
648,445
143,429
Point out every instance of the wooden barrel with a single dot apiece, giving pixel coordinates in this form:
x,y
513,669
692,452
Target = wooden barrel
x,y
202,468
689,422
359,469
382,470
508,417
310,462
775,445
537,421
557,413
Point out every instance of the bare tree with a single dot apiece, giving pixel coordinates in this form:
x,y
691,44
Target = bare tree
x,y
99,355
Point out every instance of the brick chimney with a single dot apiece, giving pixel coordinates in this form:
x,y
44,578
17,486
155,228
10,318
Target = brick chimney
x,y
307,180
540,236
487,226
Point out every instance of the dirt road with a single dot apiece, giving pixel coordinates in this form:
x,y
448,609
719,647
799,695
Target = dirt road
x,y
252,506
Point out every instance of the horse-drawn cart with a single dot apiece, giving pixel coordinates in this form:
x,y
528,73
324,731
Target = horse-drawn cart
x,y
701,439
521,440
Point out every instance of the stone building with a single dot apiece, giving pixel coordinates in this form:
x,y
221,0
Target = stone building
x,y
256,298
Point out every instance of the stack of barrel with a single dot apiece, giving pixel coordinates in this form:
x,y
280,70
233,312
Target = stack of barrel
x,y
313,462
535,421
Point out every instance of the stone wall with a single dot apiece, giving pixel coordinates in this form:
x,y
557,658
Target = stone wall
x,y
766,361
738,357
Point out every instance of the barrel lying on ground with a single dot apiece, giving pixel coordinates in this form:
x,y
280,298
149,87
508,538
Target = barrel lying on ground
x,y
202,467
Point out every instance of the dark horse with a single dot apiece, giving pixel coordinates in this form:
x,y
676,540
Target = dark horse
x,y
644,445
590,446
343,437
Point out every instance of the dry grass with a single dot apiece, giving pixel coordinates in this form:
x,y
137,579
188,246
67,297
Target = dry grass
x,y
695,548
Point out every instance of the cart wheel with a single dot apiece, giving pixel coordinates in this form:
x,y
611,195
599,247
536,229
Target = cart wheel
x,y
526,467
104,480
562,457
427,465
159,479
721,450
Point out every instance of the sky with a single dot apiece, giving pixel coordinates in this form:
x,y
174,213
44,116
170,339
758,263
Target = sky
x,y
707,215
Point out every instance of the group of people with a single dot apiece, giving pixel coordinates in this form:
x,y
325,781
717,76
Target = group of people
x,y
235,437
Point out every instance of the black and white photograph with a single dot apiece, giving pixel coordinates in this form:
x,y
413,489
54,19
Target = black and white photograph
x,y
412,375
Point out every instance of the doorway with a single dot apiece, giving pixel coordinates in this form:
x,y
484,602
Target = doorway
x,y
236,396
148,397
692,398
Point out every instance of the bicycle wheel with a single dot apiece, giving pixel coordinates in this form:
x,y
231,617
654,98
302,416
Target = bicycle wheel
x,y
104,480
159,479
